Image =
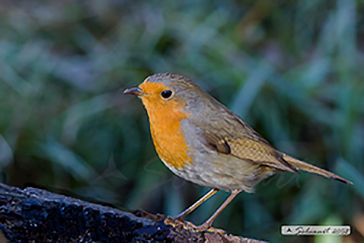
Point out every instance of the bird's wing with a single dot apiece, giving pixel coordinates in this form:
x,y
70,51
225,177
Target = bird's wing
x,y
235,137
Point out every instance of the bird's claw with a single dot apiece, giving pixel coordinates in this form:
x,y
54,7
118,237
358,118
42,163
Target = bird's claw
x,y
178,222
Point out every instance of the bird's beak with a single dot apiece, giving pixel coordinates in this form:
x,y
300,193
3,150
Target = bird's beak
x,y
135,91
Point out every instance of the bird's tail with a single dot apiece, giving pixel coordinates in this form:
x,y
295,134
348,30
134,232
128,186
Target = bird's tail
x,y
313,169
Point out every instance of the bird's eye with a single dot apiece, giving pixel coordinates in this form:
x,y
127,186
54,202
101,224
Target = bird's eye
x,y
166,94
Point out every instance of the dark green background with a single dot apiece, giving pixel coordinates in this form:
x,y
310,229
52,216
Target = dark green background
x,y
291,69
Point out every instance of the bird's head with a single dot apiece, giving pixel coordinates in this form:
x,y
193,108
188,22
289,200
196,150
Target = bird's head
x,y
165,93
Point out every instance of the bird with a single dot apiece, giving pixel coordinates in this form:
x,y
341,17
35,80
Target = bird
x,y
202,141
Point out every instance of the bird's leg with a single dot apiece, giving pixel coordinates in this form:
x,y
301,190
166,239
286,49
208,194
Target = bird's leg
x,y
182,215
209,222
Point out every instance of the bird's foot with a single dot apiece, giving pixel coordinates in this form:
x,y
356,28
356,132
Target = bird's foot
x,y
177,222
207,227
180,218
203,227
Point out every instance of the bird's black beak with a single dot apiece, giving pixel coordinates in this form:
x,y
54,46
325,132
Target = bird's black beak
x,y
134,91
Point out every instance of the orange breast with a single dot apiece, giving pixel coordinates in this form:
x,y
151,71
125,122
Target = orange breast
x,y
165,126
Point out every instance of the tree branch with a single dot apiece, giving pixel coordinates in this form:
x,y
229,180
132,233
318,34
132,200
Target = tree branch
x,y
34,214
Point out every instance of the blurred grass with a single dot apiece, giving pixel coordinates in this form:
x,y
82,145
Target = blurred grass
x,y
292,69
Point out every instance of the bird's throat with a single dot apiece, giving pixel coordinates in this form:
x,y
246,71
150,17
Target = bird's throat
x,y
168,137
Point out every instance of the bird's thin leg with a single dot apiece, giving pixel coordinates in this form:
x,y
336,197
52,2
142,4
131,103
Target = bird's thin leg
x,y
209,222
182,215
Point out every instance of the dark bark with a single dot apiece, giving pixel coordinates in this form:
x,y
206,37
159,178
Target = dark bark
x,y
35,215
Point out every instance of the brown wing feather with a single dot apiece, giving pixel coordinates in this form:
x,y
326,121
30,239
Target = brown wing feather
x,y
237,138
216,143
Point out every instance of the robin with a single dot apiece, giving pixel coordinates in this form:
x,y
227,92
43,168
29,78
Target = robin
x,y
202,141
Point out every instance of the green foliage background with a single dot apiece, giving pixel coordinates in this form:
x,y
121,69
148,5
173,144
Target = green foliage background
x,y
292,69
